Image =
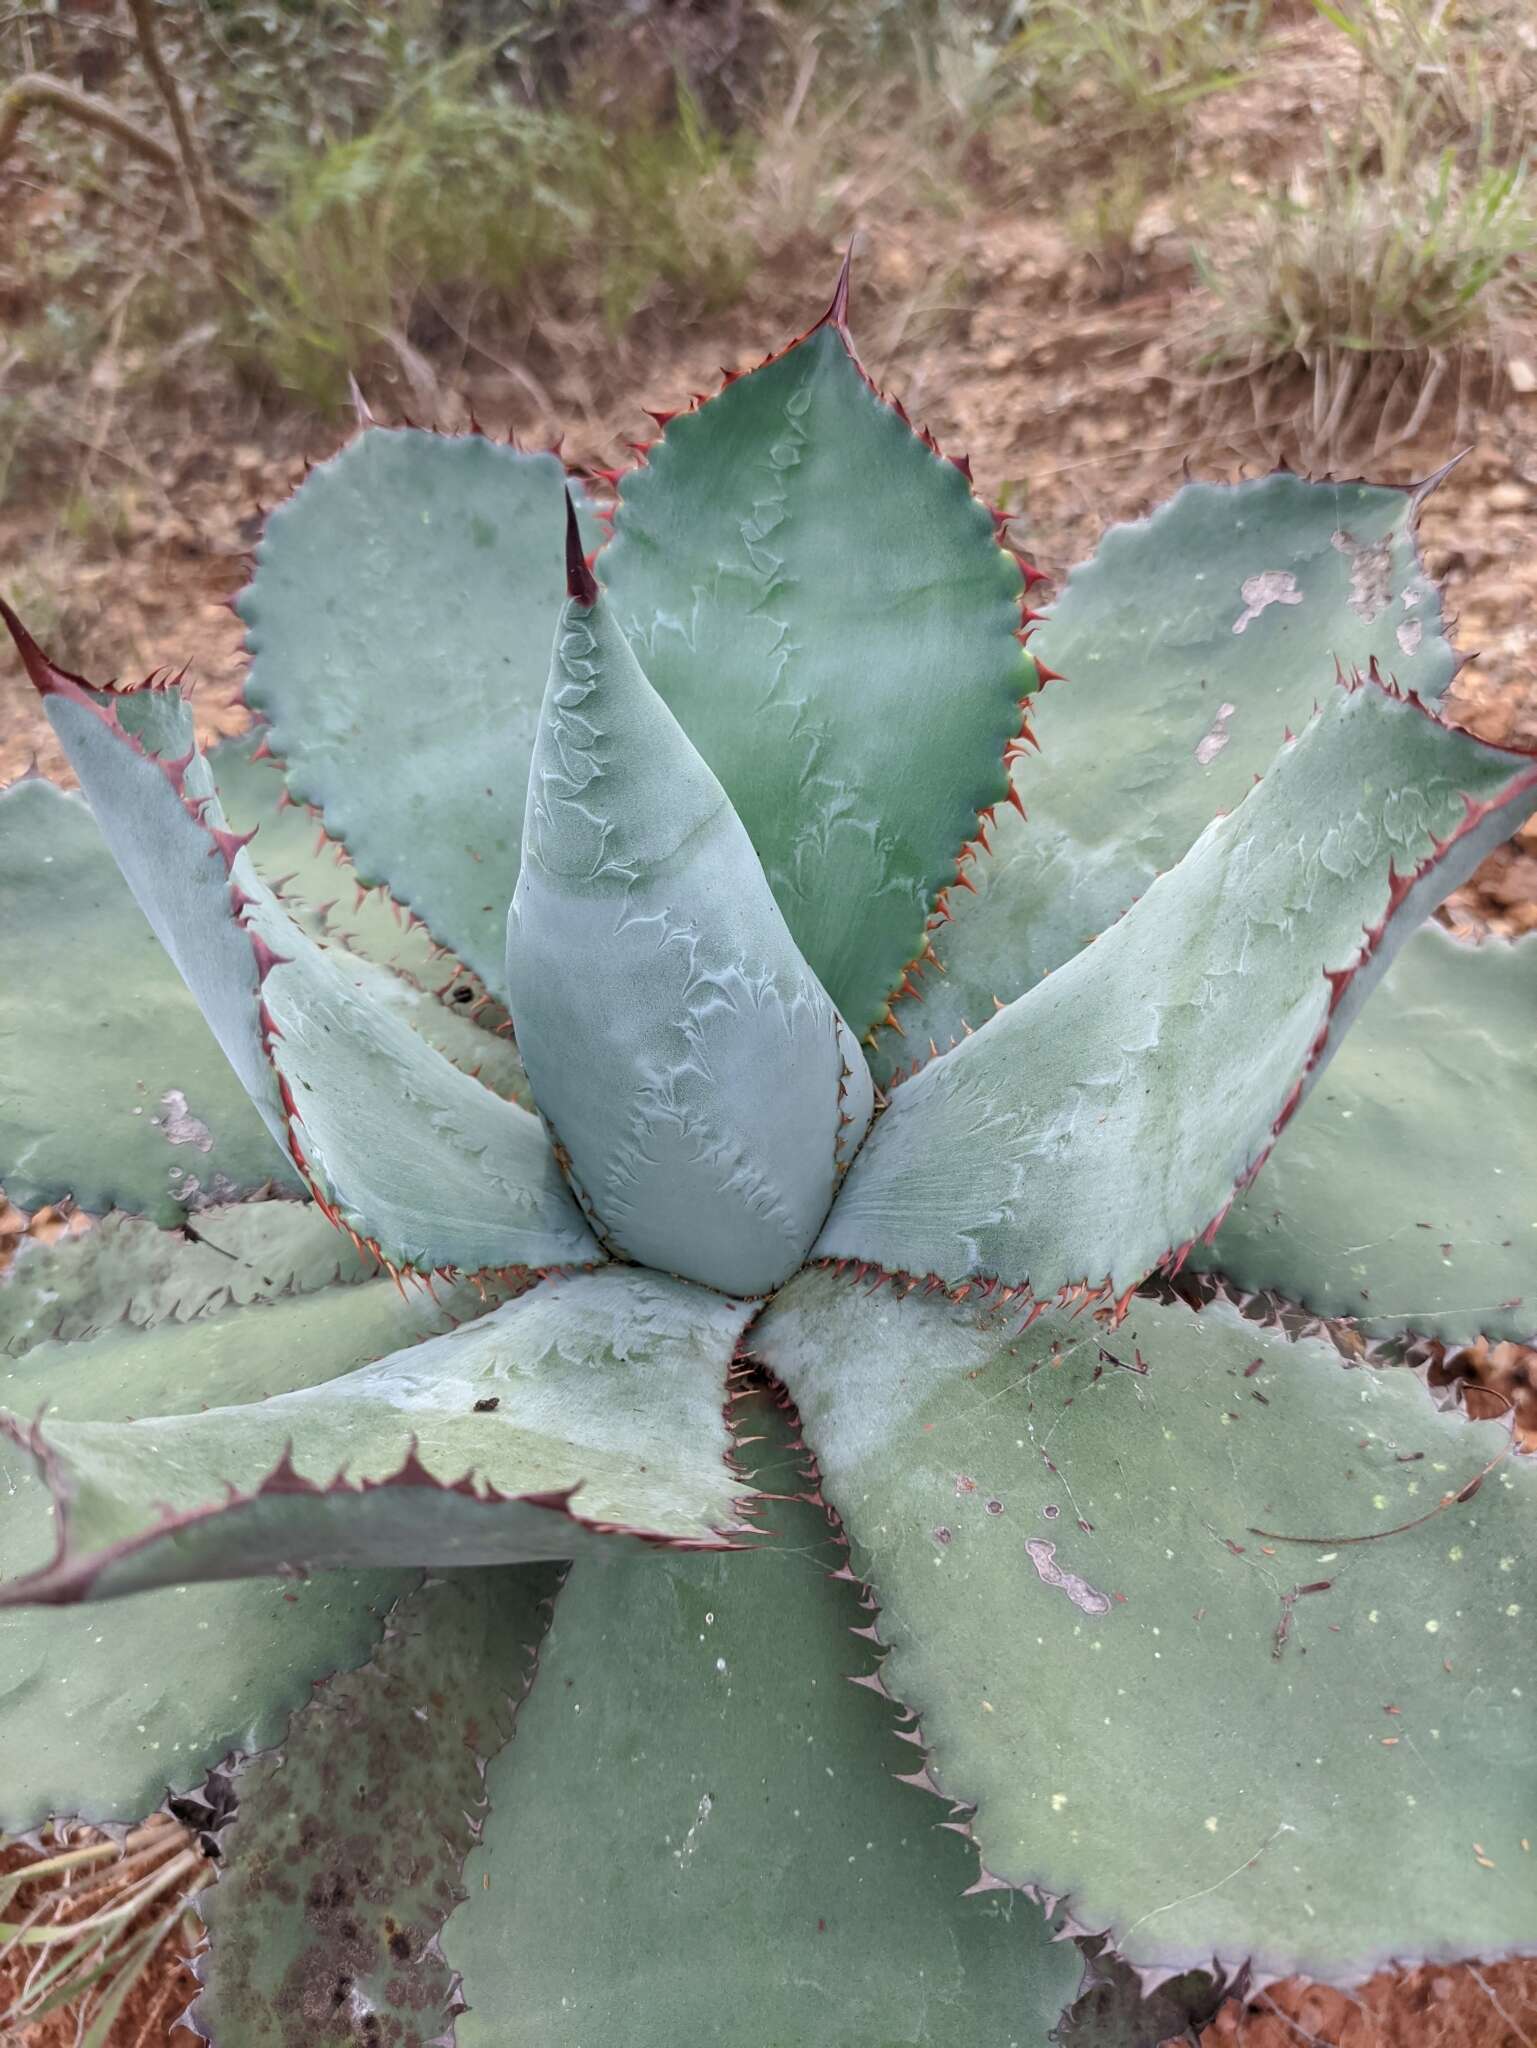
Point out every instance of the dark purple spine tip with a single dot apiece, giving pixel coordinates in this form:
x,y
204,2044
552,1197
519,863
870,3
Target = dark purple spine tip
x,y
837,314
43,674
581,584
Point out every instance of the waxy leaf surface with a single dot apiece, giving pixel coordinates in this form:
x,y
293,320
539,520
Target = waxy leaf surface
x,y
104,1706
415,1154
319,885
685,1057
584,1406
822,602
1186,647
1163,1704
1404,1196
1101,1122
325,1917
439,1000
399,622
126,1271
718,1818
112,1088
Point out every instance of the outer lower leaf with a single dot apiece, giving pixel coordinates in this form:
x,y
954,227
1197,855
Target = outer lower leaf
x,y
585,1406
102,1707
126,1271
1161,1704
700,1816
325,1918
687,1060
821,601
222,1359
1405,1193
1189,644
412,1153
1100,1123
111,1089
399,623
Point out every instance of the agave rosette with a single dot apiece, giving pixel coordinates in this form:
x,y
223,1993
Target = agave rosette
x,y
764,1234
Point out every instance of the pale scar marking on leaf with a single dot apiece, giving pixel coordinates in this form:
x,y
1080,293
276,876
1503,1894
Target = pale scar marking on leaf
x,y
1217,738
1371,571
1271,586
1409,635
178,1125
1043,1556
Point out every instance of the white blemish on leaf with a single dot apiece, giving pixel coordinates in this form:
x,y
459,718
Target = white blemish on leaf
x,y
179,1125
1409,634
1043,1556
1371,573
691,1839
1271,586
1217,738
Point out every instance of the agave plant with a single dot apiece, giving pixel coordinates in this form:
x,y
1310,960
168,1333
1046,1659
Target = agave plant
x,y
754,1267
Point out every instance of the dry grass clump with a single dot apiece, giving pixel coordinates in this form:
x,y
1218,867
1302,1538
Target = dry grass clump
x,y
94,1933
1393,268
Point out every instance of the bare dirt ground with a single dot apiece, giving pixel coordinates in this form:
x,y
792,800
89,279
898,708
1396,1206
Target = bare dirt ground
x,y
1066,386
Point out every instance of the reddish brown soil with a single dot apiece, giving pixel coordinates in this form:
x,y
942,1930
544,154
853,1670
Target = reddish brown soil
x,y
152,2008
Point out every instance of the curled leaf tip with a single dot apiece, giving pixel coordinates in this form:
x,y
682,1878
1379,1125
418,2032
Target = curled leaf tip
x,y
581,584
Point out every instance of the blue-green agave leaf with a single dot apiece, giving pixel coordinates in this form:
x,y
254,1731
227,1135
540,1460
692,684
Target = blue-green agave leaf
x,y
822,602
102,1707
699,1815
126,1271
1189,1612
112,1090
105,1708
588,1406
401,965
317,883
325,1919
688,1062
1187,646
1404,1193
1100,1123
410,1153
399,620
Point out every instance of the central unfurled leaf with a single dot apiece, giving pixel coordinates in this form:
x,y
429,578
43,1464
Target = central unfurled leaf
x,y
688,1062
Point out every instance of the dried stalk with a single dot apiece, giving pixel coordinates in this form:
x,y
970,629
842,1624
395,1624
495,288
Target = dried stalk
x,y
194,166
36,89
